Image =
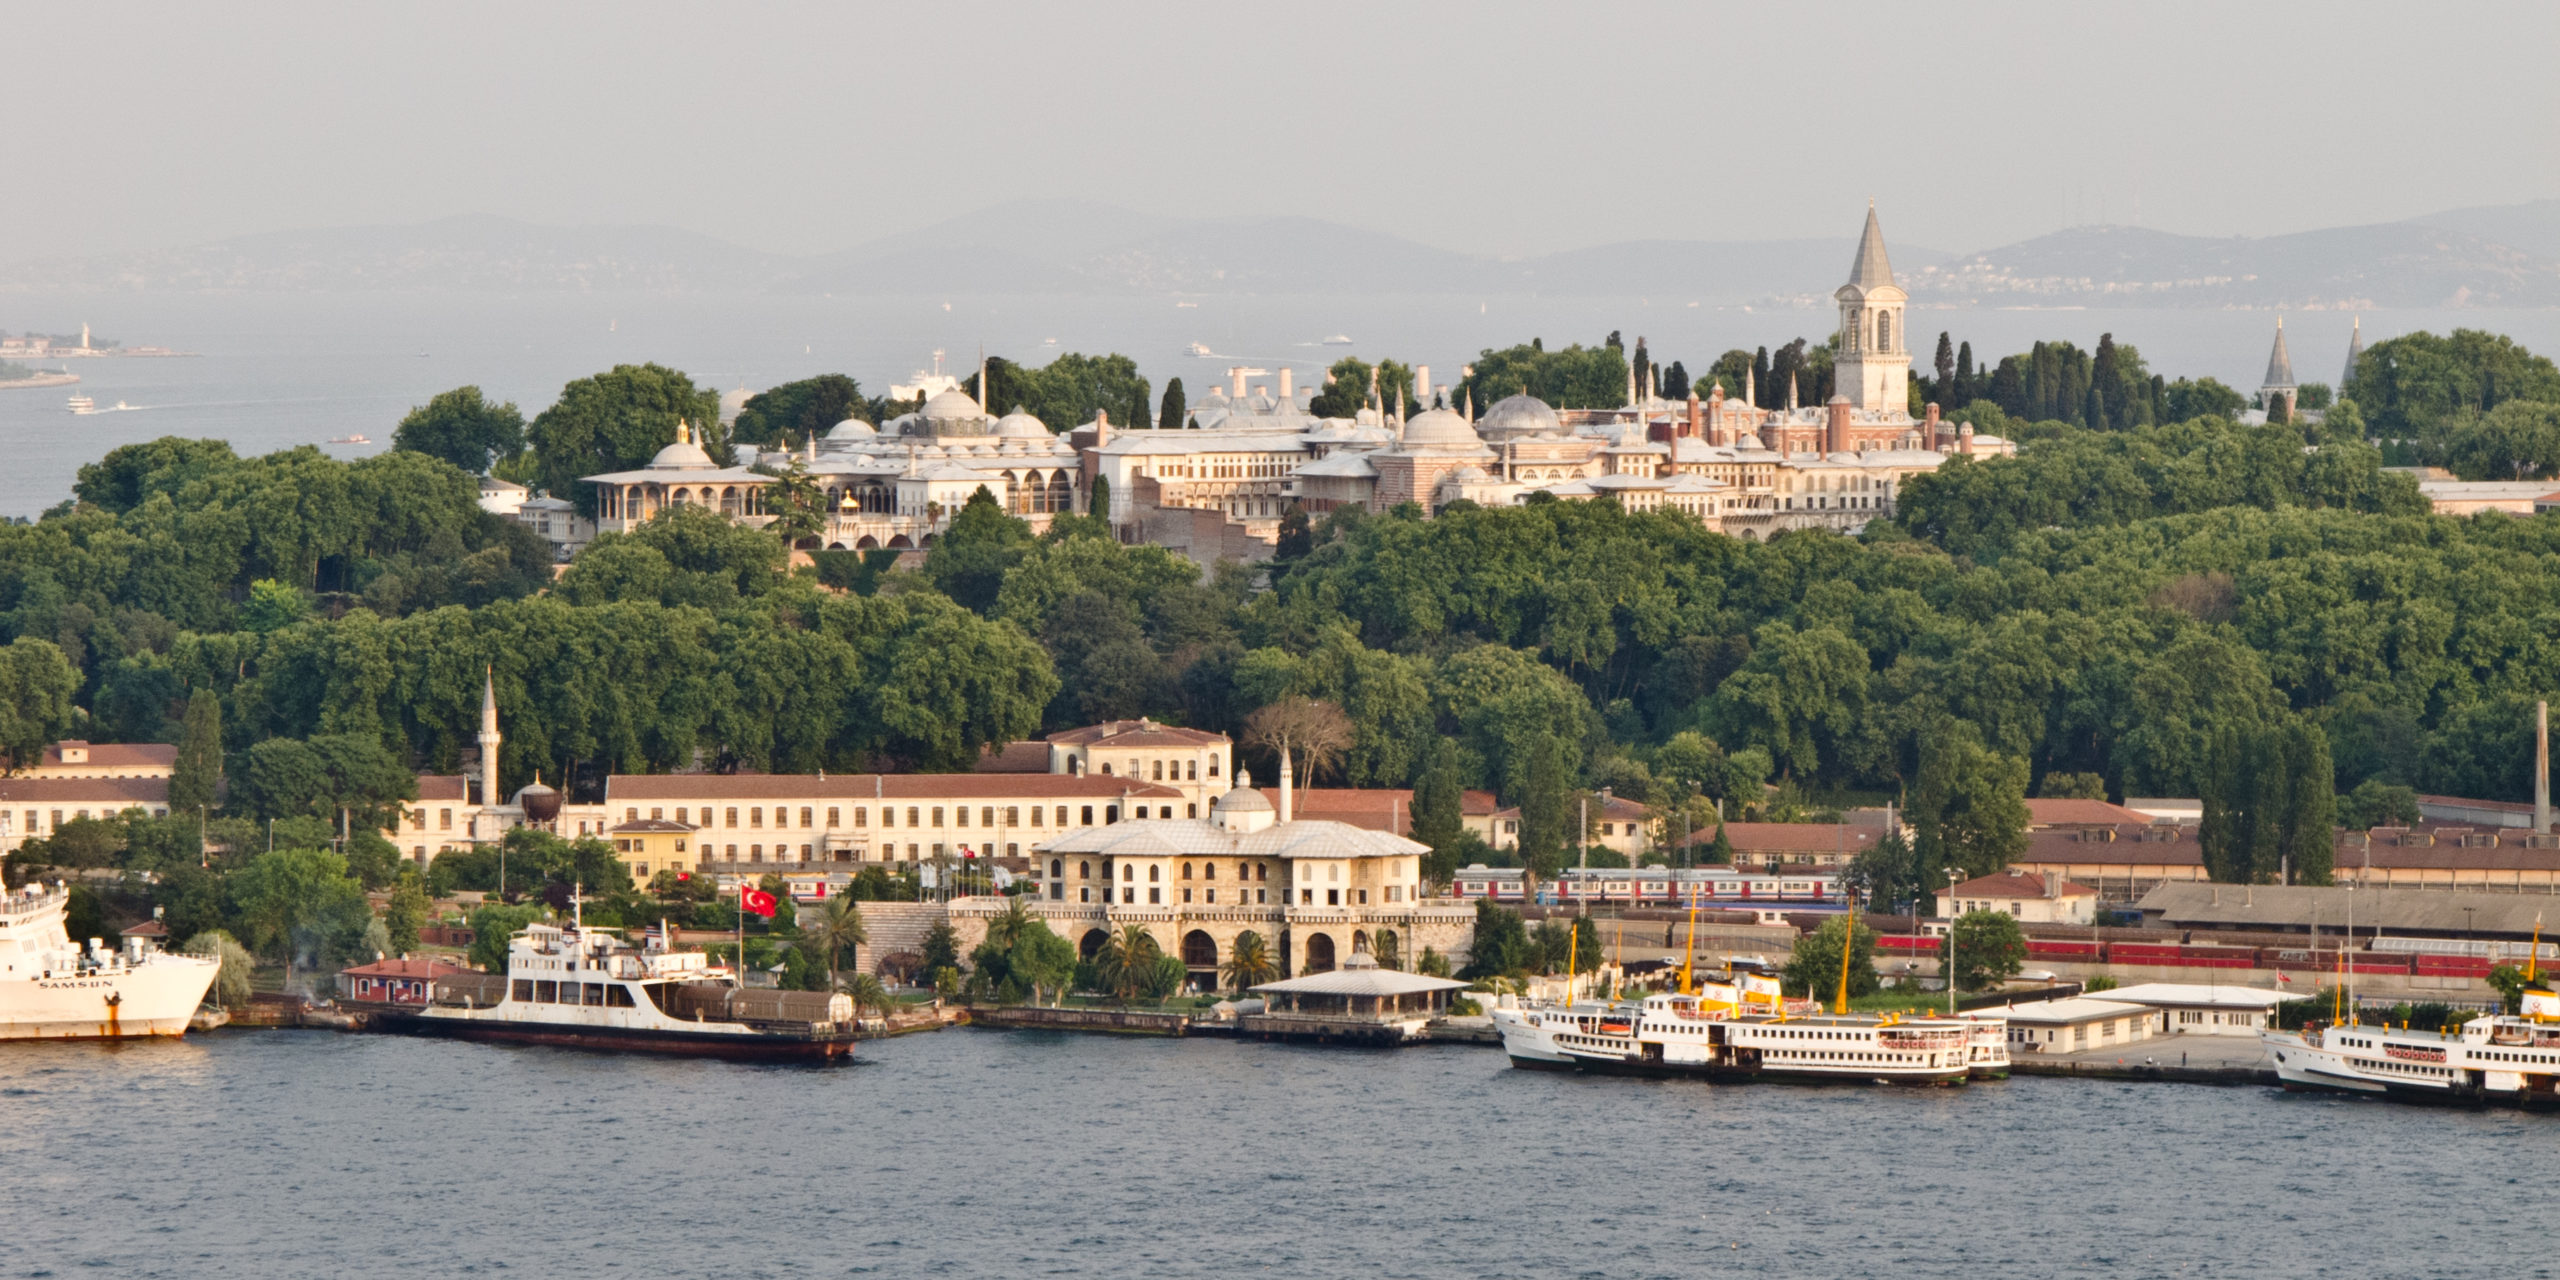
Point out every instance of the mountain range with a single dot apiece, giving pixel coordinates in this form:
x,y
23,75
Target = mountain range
x,y
2502,256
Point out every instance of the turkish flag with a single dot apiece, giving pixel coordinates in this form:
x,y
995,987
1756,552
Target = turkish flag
x,y
755,900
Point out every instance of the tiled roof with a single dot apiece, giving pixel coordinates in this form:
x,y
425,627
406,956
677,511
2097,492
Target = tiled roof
x,y
1137,733
443,786
1371,807
1016,757
118,792
623,788
648,826
1180,837
113,755
1360,982
429,967
2079,813
2012,885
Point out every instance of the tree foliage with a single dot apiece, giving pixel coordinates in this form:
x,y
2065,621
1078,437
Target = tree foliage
x,y
616,421
461,428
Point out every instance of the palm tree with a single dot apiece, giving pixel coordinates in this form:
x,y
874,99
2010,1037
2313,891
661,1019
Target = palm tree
x,y
867,993
1007,929
837,929
1126,960
1249,962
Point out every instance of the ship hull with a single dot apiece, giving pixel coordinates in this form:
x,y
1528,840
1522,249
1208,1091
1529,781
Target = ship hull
x,y
735,1046
1730,1075
152,1000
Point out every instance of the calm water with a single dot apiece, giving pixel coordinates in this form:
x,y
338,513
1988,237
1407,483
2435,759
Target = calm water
x,y
973,1153
279,370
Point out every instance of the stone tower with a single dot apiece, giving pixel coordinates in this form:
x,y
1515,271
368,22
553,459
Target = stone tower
x,y
489,739
2355,352
1874,367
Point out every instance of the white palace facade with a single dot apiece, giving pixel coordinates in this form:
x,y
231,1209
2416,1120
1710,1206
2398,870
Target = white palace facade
x,y
1219,486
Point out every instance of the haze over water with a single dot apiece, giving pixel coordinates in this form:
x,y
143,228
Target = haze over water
x,y
284,369
976,1153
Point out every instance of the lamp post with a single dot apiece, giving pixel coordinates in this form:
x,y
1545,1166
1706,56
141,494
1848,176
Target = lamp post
x,y
1952,876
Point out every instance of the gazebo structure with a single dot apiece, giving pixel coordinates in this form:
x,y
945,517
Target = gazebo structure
x,y
1359,1002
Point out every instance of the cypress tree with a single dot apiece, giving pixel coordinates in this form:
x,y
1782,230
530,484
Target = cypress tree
x,y
197,776
1945,387
1761,391
1176,410
2108,384
1545,809
1099,505
1438,816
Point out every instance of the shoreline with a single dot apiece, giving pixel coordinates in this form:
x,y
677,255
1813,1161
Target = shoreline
x,y
41,380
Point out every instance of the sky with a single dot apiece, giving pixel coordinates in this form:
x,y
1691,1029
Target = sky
x,y
1491,128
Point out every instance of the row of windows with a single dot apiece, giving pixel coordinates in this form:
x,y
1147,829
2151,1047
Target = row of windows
x,y
1129,871
1155,896
77,815
958,816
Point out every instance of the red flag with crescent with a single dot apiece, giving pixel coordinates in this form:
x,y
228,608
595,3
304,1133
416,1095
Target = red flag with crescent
x,y
755,900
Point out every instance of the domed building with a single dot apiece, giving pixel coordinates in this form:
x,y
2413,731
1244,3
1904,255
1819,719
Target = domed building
x,y
1434,444
1513,417
682,474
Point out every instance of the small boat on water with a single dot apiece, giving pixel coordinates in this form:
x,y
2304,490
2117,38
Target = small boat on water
x,y
84,404
356,439
1338,340
588,989
1200,349
2508,1059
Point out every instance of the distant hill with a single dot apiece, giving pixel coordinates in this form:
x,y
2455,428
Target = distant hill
x,y
2446,260
2506,256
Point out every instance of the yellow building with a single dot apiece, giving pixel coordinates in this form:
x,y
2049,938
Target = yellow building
x,y
648,846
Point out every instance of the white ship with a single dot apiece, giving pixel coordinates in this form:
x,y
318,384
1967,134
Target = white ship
x,y
586,988
52,989
2512,1059
1744,1029
84,404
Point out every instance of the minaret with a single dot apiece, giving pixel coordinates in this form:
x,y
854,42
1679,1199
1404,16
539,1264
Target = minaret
x,y
489,738
2355,352
982,381
1287,778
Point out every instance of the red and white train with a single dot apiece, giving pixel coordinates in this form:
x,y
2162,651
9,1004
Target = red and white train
x,y
1666,886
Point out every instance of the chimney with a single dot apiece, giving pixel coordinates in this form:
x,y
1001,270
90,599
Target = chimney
x,y
1236,377
1715,414
1838,441
2541,768
1288,389
1287,777
1422,385
1697,415
1101,427
1964,439
1929,434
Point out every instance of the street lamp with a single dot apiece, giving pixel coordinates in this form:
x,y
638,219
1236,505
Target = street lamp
x,y
1952,876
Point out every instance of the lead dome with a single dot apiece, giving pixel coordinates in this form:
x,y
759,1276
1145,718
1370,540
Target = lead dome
x,y
1521,415
1440,429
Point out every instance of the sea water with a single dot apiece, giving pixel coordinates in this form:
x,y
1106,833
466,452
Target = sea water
x,y
987,1153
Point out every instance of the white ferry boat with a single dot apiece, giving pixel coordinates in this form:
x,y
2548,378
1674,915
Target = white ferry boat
x,y
588,989
52,989
83,404
2513,1059
1744,1029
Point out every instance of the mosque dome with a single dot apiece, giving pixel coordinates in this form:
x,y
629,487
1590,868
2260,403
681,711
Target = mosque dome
x,y
1520,415
1242,799
951,404
540,803
683,455
1470,474
1021,425
732,402
852,429
1440,429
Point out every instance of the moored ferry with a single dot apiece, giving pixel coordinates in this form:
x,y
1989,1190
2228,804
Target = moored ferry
x,y
2510,1059
53,989
588,989
1744,1029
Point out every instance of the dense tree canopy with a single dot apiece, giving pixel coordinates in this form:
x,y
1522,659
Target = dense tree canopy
x,y
787,416
618,420
462,428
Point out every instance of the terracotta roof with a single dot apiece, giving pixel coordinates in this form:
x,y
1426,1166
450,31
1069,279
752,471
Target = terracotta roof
x,y
1613,808
2008,884
1791,837
1371,807
119,792
443,786
146,929
1016,757
856,787
117,755
427,967
1137,733
2079,813
2116,846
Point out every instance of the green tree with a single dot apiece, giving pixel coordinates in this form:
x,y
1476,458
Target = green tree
x,y
273,606
1499,945
407,913
1814,966
1098,502
2519,439
975,553
2417,382
1249,962
2072,786
1546,811
836,931
941,947
1176,411
1039,959
1968,803
231,985
2269,804
795,412
301,906
36,685
1989,948
1297,536
1126,964
1439,818
618,420
195,780
492,926
798,507
462,428
2375,803
1889,875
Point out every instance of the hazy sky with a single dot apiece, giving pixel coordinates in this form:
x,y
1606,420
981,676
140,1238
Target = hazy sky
x,y
1495,128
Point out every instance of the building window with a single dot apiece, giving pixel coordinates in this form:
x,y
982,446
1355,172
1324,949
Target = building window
x,y
733,817
1155,897
1333,897
962,815
755,817
1262,897
1362,896
1306,897
937,817
1186,871
444,819
805,824
1106,768
1128,872
1084,895
1129,896
987,815
1062,816
1213,766
657,814
1013,815
1159,771
1195,771
835,817
1884,331
1154,874
913,815
862,815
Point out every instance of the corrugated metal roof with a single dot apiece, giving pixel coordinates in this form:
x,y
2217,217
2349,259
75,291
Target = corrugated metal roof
x,y
113,791
1180,837
2442,912
856,787
1361,982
